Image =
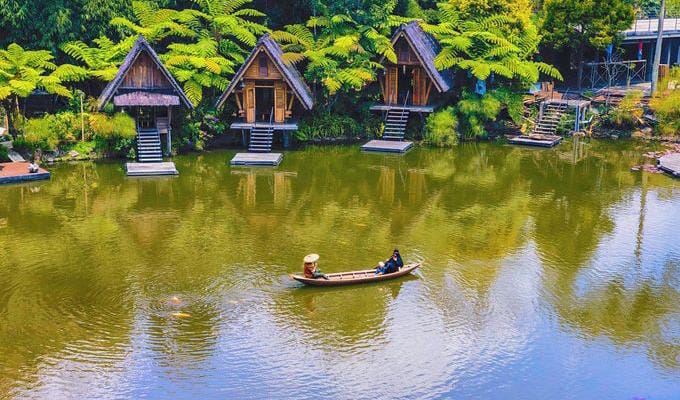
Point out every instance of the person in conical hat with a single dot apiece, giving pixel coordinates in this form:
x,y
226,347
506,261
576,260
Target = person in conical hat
x,y
311,267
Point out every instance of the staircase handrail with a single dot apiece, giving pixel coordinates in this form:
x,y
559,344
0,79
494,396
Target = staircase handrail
x,y
271,116
405,101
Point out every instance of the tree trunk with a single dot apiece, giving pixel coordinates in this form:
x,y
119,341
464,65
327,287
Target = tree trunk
x,y
7,106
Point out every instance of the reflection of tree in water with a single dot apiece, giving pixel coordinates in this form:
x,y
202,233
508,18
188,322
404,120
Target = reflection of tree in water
x,y
574,215
628,315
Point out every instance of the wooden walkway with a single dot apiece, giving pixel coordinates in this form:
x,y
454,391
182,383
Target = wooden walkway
x,y
15,172
670,163
259,159
151,169
387,146
536,140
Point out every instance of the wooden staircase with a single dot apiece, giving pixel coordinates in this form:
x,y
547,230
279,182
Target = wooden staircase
x,y
149,146
395,124
548,121
261,139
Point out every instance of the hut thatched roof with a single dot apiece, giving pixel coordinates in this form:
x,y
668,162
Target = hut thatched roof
x,y
288,70
426,49
145,98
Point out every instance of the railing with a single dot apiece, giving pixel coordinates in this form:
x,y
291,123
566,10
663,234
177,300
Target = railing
x,y
648,26
615,73
406,100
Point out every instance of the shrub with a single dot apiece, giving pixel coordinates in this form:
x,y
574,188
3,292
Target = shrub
x,y
440,128
3,154
475,111
324,125
627,114
67,126
666,105
38,134
113,134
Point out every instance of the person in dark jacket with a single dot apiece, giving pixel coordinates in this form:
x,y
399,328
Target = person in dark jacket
x,y
394,263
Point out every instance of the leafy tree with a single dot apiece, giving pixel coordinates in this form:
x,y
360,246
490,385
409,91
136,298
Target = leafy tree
x,y
46,24
23,71
580,25
202,46
499,44
339,51
103,59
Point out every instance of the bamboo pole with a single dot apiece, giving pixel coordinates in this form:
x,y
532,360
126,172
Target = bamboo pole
x,y
82,120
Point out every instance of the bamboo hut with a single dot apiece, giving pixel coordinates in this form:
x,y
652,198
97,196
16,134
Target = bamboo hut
x,y
145,89
269,94
410,82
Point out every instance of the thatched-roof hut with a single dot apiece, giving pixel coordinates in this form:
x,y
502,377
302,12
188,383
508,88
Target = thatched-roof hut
x,y
145,89
410,81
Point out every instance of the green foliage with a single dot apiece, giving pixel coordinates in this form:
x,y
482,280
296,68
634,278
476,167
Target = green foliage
x,y
103,59
340,50
46,24
475,111
578,24
441,128
650,8
39,135
486,43
114,135
627,114
207,43
49,132
4,157
23,71
666,105
324,125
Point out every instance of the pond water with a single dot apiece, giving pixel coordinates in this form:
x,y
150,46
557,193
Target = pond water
x,y
546,274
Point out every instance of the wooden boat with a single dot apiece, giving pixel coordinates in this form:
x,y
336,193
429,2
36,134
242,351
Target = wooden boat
x,y
355,277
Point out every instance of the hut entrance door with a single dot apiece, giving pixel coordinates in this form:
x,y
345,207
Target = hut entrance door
x,y
405,85
146,118
264,103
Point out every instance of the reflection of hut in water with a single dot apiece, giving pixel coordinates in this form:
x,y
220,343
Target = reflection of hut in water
x,y
386,184
277,181
416,185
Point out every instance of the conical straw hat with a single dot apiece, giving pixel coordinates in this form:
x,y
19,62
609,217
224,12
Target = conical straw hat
x,y
311,258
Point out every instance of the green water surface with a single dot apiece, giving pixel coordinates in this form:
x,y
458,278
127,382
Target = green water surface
x,y
547,274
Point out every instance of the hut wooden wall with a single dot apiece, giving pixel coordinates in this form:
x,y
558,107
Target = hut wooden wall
x,y
257,69
405,54
420,82
145,74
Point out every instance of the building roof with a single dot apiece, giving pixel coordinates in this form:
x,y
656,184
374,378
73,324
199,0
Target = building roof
x,y
288,70
141,45
426,49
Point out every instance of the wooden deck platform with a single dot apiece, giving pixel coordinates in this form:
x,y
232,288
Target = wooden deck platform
x,y
671,164
151,169
260,159
289,126
536,140
387,146
16,172
413,109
